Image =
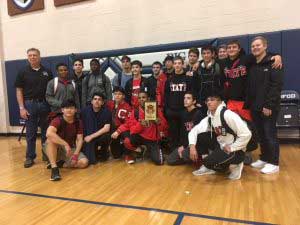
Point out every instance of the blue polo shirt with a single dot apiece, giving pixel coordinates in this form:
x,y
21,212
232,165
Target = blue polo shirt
x,y
94,121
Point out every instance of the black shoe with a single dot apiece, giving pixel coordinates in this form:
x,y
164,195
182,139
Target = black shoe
x,y
55,176
28,163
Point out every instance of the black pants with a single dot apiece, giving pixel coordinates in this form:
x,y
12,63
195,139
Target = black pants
x,y
152,146
174,121
117,147
91,149
217,159
202,147
267,135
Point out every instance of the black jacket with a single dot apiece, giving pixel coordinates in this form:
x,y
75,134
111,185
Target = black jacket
x,y
264,86
128,88
152,85
206,80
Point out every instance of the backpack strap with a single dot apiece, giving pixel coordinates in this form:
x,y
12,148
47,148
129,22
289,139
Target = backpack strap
x,y
55,84
224,124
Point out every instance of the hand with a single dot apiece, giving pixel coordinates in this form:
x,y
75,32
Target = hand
x,y
24,114
115,135
161,134
189,73
74,159
193,153
157,121
88,138
277,62
180,150
267,112
198,105
144,123
227,149
68,150
196,66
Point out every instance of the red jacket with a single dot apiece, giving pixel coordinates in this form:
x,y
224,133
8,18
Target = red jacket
x,y
160,89
119,114
152,132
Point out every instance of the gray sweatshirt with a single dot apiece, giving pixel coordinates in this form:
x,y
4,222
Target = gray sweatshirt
x,y
94,83
63,92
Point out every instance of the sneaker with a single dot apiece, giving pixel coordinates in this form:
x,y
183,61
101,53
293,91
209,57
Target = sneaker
x,y
55,176
258,164
28,163
129,159
236,172
203,171
269,169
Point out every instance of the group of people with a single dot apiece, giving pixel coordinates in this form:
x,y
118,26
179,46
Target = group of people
x,y
208,112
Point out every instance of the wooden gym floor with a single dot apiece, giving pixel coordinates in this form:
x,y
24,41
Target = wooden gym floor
x,y
115,193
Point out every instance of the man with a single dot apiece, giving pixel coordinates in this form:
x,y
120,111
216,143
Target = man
x,y
193,57
120,113
121,79
138,131
65,134
78,77
31,85
95,81
263,99
61,89
154,80
135,84
189,118
226,135
175,88
222,52
168,63
207,78
96,127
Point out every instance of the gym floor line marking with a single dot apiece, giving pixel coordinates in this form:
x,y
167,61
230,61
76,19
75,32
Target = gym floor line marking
x,y
179,214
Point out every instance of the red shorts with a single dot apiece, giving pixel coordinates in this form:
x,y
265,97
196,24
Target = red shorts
x,y
237,107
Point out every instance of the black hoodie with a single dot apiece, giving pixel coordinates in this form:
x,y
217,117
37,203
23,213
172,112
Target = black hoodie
x,y
175,88
264,86
188,121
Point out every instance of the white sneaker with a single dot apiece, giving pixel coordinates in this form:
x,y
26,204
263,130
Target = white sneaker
x,y
203,171
258,164
236,172
270,168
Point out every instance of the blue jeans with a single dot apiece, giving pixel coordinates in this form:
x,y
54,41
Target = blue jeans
x,y
38,117
267,136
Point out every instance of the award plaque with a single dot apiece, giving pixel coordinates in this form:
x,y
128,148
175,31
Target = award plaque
x,y
150,110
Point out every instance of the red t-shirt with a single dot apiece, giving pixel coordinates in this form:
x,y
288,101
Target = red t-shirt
x,y
136,86
67,131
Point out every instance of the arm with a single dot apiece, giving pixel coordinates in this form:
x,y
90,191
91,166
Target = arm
x,y
241,130
20,98
275,86
50,96
103,130
108,89
53,137
79,144
84,91
199,128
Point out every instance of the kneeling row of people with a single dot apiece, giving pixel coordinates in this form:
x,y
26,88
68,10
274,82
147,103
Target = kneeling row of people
x,y
218,147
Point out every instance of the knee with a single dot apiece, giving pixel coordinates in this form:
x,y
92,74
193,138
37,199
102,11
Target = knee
x,y
82,163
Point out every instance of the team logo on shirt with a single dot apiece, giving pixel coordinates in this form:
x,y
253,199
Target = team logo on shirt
x,y
23,4
236,72
178,87
122,114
